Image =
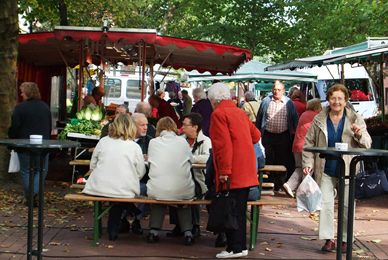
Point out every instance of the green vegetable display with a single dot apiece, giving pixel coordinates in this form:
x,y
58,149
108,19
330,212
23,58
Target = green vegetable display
x,y
86,127
89,114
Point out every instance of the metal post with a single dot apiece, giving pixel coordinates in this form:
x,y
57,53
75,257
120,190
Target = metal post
x,y
30,200
382,89
144,58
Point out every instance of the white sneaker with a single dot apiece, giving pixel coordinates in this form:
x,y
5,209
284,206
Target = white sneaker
x,y
245,252
288,190
226,254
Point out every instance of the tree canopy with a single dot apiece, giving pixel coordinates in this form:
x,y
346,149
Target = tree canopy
x,y
283,29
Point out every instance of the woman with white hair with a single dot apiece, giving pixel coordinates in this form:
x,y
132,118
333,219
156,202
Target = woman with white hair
x,y
202,106
233,135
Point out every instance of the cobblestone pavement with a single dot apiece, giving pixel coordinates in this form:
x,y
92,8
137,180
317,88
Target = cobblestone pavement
x,y
284,233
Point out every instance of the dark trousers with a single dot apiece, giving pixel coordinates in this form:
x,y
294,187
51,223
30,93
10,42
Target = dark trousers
x,y
115,215
236,240
277,152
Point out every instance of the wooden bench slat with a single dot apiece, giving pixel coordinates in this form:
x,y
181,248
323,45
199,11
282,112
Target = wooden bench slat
x,y
83,197
273,168
80,162
268,185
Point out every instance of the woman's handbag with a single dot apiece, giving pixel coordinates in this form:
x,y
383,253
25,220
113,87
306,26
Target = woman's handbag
x,y
371,184
14,164
222,211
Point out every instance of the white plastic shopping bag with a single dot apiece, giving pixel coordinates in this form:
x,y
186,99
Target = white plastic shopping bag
x,y
14,164
309,195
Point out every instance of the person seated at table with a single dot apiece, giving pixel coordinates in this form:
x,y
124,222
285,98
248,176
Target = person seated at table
x,y
164,109
170,161
200,146
142,139
117,165
334,124
120,109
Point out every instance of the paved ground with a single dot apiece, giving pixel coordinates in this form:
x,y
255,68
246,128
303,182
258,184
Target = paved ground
x,y
284,233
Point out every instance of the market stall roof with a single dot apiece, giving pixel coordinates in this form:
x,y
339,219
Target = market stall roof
x,y
254,71
64,44
371,50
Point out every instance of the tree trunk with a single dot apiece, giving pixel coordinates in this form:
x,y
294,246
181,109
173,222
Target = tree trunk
x,y
63,13
9,26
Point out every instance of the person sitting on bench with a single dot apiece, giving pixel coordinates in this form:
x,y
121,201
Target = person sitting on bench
x,y
117,180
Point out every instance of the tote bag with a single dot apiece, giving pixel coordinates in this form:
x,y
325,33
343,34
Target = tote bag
x,y
14,164
222,211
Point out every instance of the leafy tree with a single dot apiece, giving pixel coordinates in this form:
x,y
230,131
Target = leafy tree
x,y
8,55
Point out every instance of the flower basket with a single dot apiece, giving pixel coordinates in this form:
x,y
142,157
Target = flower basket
x,y
376,127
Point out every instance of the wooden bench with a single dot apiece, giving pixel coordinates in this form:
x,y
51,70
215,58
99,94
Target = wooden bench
x,y
98,213
263,172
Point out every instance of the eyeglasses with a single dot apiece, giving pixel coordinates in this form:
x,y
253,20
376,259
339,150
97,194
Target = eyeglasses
x,y
185,125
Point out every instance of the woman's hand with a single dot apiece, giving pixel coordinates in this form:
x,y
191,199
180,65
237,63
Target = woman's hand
x,y
356,130
306,171
223,178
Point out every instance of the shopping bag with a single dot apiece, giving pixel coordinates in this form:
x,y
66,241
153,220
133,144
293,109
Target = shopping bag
x,y
309,195
14,164
371,183
222,211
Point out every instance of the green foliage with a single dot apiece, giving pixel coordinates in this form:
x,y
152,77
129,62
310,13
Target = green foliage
x,y
86,127
284,29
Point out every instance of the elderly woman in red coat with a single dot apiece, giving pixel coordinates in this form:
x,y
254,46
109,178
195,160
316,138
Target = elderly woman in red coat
x,y
233,135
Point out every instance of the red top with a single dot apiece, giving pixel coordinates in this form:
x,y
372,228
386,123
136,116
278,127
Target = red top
x,y
300,107
165,109
233,135
305,121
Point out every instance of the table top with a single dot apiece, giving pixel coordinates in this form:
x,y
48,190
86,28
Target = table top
x,y
349,151
44,144
83,136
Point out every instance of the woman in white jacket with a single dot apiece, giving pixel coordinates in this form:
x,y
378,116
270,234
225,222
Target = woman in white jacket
x,y
117,165
170,161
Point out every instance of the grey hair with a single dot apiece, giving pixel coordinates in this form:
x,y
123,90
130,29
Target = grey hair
x,y
123,106
249,95
143,107
135,117
199,93
313,104
219,92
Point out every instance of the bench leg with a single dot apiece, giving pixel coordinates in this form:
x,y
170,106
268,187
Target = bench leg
x,y
97,222
255,213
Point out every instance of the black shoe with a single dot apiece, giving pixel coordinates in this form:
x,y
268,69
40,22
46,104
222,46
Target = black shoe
x,y
221,240
136,227
112,237
176,232
195,231
151,238
124,226
189,240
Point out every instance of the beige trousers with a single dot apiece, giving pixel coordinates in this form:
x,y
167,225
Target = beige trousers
x,y
326,217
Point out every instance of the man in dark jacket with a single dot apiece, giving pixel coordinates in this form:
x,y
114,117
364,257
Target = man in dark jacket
x,y
31,117
276,119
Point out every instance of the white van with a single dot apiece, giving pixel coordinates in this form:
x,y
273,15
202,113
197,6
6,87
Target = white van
x,y
361,91
125,89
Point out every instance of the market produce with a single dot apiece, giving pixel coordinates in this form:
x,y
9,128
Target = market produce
x,y
89,114
86,127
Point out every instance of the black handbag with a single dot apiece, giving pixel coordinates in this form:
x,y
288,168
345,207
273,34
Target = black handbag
x,y
371,184
222,211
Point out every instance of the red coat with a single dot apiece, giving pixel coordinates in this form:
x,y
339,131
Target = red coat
x,y
233,135
305,121
165,109
300,107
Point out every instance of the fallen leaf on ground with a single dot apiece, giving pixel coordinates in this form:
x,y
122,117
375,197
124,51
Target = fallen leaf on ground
x,y
268,249
290,229
376,241
264,243
110,246
271,222
272,239
359,251
308,238
67,250
55,243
